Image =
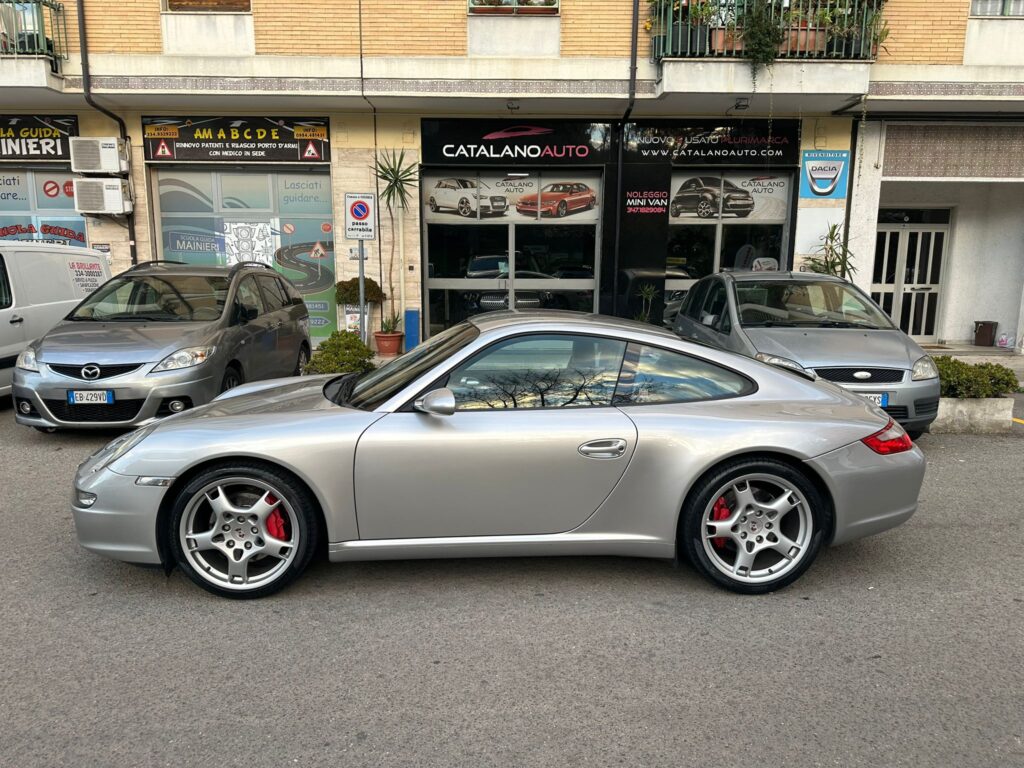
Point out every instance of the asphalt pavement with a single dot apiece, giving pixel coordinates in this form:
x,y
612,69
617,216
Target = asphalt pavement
x,y
904,649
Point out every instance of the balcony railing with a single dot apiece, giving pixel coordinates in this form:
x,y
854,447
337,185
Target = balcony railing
x,y
805,29
33,29
509,7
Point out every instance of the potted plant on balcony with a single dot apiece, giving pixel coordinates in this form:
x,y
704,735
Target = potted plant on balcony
x,y
491,6
396,177
804,34
682,27
538,7
762,31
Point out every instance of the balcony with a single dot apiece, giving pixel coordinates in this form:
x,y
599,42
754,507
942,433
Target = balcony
x,y
33,30
764,30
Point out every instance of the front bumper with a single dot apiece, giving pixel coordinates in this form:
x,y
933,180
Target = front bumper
x,y
871,493
914,404
737,206
138,396
121,523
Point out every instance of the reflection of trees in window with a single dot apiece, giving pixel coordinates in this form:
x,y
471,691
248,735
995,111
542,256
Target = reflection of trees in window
x,y
553,388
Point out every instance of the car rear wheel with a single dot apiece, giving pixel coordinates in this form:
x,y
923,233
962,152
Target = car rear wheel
x,y
243,530
753,526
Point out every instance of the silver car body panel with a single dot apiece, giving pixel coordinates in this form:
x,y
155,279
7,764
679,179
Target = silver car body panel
x,y
395,483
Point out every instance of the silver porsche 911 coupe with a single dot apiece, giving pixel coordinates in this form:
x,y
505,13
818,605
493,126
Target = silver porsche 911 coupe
x,y
545,433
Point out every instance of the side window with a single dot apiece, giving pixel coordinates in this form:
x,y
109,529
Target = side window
x,y
715,305
273,293
6,294
294,297
248,295
540,371
653,375
696,299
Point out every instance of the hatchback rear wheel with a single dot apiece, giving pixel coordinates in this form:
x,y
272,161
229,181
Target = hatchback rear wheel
x,y
754,526
243,530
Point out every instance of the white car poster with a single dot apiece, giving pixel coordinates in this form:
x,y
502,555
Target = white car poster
x,y
520,198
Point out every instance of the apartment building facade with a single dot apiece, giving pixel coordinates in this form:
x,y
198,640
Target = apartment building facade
x,y
569,152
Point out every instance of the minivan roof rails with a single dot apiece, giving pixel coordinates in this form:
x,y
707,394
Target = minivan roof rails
x,y
155,262
249,265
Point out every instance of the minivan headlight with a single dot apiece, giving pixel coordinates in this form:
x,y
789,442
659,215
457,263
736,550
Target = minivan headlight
x,y
185,358
924,368
27,360
785,362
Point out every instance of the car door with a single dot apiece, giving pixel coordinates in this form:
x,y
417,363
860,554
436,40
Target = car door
x,y
12,332
689,314
712,324
534,445
256,345
286,341
47,294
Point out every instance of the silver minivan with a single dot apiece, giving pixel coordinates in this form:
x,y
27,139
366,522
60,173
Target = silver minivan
x,y
159,339
39,284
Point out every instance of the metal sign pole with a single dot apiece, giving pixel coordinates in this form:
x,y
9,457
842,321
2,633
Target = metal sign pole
x,y
362,296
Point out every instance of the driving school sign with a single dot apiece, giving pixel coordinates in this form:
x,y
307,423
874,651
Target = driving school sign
x,y
36,137
360,216
237,139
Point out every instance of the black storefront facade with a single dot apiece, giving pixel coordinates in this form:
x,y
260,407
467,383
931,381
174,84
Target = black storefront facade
x,y
551,214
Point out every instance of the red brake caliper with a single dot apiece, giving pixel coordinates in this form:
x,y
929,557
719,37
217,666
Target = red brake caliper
x,y
720,511
275,521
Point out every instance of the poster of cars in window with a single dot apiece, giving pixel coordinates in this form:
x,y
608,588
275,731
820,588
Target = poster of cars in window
x,y
517,198
757,196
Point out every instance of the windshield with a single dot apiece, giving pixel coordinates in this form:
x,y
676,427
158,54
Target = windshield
x,y
371,390
806,303
166,298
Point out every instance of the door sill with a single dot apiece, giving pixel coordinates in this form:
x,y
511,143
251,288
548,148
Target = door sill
x,y
540,545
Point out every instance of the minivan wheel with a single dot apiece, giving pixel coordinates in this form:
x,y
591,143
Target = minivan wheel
x,y
243,530
303,360
232,378
753,525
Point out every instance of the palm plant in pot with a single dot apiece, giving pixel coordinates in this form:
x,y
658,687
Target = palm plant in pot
x,y
396,177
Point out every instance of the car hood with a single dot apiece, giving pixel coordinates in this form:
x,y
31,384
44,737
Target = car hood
x,y
287,395
80,342
838,347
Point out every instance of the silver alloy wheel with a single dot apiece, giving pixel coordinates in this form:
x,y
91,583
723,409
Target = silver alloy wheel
x,y
303,360
224,533
465,209
562,209
433,205
705,209
767,531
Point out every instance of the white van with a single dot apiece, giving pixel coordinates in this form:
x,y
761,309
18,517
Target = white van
x,y
39,284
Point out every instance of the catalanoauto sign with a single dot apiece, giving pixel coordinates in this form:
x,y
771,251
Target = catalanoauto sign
x,y
36,137
714,142
481,142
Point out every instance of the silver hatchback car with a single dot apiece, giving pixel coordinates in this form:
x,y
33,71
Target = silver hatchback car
x,y
159,339
819,323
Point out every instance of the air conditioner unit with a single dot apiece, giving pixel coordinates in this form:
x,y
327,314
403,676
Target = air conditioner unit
x,y
98,155
110,196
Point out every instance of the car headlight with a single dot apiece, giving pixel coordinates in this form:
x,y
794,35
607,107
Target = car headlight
x,y
785,362
924,368
27,360
115,449
185,358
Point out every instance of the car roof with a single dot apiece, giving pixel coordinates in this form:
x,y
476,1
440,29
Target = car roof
x,y
198,270
744,276
572,320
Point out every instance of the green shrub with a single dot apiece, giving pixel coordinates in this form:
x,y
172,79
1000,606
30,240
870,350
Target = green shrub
x,y
347,291
964,380
341,352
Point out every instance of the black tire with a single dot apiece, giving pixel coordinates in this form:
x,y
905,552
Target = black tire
x,y
465,208
675,211
45,430
562,209
915,434
233,377
691,540
291,490
302,360
706,209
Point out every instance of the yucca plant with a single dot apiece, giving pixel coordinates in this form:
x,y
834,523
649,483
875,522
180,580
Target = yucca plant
x,y
398,177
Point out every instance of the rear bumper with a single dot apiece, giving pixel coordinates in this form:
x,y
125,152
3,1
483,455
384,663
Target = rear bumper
x,y
870,493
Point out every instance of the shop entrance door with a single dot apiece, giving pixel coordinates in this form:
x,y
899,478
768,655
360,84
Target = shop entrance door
x,y
910,251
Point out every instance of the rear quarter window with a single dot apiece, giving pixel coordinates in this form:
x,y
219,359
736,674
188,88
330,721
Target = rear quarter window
x,y
652,375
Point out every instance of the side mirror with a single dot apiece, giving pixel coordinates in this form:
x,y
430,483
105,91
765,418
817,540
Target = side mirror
x,y
709,320
440,402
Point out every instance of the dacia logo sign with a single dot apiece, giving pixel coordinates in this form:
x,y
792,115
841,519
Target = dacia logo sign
x,y
825,174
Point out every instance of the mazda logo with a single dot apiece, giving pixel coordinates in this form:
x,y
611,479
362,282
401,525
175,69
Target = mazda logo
x,y
862,375
90,372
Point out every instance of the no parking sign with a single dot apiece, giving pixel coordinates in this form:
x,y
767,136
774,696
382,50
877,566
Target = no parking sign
x,y
360,216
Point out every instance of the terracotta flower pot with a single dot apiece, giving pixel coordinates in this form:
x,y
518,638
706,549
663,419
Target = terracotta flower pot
x,y
803,40
724,40
537,10
388,344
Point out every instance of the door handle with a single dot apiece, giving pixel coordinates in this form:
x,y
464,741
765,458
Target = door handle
x,y
15,320
918,290
609,448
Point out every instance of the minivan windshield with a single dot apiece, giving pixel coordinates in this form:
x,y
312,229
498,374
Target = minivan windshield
x,y
806,304
157,298
370,390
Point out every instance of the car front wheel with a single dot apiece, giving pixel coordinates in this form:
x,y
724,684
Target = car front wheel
x,y
706,209
754,526
243,530
465,208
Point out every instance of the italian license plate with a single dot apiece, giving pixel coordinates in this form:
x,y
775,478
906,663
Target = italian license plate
x,y
879,399
91,397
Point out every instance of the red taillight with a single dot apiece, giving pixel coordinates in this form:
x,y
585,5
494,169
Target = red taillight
x,y
890,440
